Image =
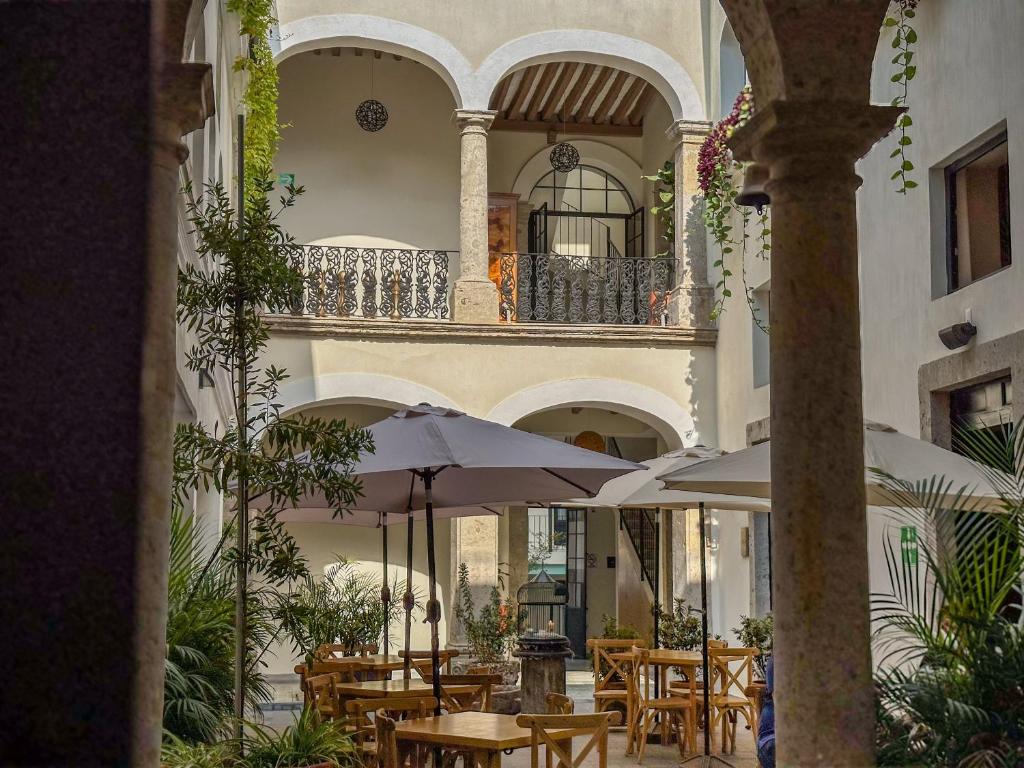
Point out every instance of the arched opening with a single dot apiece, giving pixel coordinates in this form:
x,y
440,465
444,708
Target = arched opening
x,y
732,70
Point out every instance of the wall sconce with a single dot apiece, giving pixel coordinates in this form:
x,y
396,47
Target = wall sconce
x,y
753,192
958,335
711,536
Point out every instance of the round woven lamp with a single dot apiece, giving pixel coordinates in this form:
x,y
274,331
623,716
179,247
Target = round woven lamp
x,y
589,440
371,115
564,157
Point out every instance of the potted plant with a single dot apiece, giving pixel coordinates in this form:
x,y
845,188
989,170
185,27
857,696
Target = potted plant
x,y
343,607
309,742
489,634
757,633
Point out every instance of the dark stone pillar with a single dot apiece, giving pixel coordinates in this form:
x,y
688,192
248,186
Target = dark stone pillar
x,y
90,152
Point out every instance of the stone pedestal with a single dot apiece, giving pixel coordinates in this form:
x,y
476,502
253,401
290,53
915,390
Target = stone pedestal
x,y
543,656
475,297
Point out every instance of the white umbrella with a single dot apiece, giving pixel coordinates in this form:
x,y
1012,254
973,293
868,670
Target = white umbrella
x,y
644,489
748,472
427,457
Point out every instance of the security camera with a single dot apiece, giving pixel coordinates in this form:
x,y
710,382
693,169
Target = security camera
x,y
958,335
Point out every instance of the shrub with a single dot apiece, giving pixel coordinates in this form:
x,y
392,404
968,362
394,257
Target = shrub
x,y
491,634
757,633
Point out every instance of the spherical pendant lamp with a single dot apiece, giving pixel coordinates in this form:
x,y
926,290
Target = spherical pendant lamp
x,y
371,115
564,157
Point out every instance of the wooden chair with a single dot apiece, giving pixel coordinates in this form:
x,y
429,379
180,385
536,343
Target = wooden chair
x,y
417,659
321,695
611,677
735,668
596,725
388,755
363,727
560,704
478,698
329,651
646,707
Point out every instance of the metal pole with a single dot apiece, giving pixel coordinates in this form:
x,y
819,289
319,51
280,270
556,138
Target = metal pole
x,y
433,607
657,590
385,590
241,422
408,597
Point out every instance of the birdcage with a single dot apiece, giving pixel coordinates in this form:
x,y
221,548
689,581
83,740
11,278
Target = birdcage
x,y
542,603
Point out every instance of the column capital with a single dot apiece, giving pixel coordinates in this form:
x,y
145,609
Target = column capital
x,y
184,101
688,131
474,120
783,129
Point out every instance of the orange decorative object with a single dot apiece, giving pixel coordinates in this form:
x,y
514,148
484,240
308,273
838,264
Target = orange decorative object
x,y
589,440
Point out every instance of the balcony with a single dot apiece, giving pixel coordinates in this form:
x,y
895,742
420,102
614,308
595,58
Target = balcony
x,y
402,284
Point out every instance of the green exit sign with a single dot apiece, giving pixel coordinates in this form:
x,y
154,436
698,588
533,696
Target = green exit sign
x,y
286,179
908,544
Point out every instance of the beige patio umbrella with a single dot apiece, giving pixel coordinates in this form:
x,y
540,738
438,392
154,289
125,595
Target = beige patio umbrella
x,y
748,472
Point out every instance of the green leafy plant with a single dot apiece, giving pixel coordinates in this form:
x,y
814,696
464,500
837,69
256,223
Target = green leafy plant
x,y
904,38
307,741
611,630
199,665
948,634
344,606
680,628
491,633
176,753
264,459
262,130
664,187
757,633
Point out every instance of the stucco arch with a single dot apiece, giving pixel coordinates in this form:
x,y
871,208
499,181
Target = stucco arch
x,y
604,156
361,389
388,35
658,410
591,46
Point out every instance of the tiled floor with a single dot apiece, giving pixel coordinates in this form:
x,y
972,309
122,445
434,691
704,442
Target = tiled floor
x,y
580,686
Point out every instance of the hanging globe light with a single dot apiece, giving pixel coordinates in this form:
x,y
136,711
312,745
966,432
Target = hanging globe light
x,y
371,115
564,157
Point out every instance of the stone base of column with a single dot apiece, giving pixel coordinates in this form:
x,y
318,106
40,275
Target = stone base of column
x,y
475,301
689,306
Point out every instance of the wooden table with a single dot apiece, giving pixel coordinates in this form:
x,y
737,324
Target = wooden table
x,y
382,689
664,659
375,666
484,734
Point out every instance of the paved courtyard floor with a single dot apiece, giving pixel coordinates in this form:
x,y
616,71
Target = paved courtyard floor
x,y
580,686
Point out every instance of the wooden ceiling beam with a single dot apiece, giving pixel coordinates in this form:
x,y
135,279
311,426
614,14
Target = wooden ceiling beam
x,y
335,51
537,102
614,92
578,87
358,51
556,126
558,90
621,113
636,115
518,107
592,91
498,98
377,54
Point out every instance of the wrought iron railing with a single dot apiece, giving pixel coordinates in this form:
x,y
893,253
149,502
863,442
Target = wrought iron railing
x,y
549,287
642,529
340,281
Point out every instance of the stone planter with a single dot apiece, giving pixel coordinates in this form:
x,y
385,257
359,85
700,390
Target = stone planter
x,y
509,670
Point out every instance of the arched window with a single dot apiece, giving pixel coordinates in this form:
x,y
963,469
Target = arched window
x,y
584,189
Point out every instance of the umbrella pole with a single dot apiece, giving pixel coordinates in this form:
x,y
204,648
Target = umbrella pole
x,y
433,607
707,759
408,597
385,591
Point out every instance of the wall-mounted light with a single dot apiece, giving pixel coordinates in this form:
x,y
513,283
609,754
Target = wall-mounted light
x,y
958,335
753,193
711,536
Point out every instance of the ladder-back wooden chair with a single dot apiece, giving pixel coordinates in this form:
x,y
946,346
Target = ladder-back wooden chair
x,y
477,697
611,677
363,727
735,667
560,750
681,710
421,661
321,695
560,704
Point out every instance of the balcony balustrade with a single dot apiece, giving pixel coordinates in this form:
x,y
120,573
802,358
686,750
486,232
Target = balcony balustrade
x,y
394,283
340,281
548,287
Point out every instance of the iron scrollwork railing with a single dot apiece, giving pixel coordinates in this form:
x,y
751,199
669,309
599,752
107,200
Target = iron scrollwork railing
x,y
550,287
340,281
642,530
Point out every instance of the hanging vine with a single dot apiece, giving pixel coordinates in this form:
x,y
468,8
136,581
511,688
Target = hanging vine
x,y
262,131
665,184
900,14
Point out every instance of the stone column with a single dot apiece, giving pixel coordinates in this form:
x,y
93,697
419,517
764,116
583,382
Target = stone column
x,y
692,297
822,626
476,298
475,543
